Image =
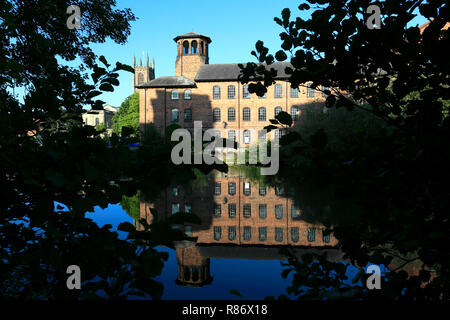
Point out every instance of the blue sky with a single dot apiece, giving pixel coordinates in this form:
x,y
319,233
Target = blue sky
x,y
233,26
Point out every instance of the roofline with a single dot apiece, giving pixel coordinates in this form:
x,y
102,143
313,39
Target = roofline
x,y
200,36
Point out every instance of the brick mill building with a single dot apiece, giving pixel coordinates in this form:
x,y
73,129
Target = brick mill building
x,y
212,93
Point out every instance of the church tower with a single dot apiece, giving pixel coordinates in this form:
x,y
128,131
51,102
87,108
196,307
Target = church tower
x,y
142,74
192,53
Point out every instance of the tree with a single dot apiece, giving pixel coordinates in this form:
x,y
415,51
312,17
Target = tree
x,y
383,193
127,115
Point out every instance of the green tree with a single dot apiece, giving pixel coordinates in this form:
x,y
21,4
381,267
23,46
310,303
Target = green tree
x,y
383,193
127,115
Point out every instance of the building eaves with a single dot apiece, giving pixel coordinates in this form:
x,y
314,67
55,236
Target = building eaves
x,y
168,82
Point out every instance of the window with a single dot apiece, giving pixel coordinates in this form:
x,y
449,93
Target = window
x,y
247,233
185,47
294,92
278,234
247,208
217,210
188,115
262,134
175,115
175,208
262,114
262,190
231,114
231,92
217,188
232,210
311,234
310,92
247,189
216,92
263,211
325,237
174,95
231,233
262,233
245,93
140,78
216,115
323,91
176,191
279,211
187,94
295,212
194,47
278,91
295,234
201,48
187,208
264,96
246,136
232,188
231,135
97,121
217,233
277,110
294,113
279,190
246,114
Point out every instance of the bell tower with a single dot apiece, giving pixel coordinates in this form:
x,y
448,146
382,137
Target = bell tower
x,y
142,73
192,53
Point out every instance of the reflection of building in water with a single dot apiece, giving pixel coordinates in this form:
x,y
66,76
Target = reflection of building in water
x,y
240,219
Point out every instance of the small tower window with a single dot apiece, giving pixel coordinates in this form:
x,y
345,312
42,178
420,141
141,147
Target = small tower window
x,y
187,94
194,47
140,78
231,92
202,50
185,47
174,95
216,92
278,91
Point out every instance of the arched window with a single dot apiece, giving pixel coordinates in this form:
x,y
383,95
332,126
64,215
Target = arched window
x,y
216,92
310,92
231,135
216,115
246,114
294,92
202,50
262,114
277,110
187,273
194,47
294,113
174,95
195,274
175,115
140,78
187,94
231,114
245,93
278,91
185,47
246,136
188,115
231,92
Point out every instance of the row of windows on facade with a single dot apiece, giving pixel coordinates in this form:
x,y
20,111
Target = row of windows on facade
x,y
246,114
262,211
262,234
246,189
231,92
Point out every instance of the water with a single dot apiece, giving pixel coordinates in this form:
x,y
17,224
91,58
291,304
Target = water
x,y
245,222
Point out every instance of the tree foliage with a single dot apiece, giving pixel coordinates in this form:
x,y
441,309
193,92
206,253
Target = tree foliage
x,y
127,115
382,191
